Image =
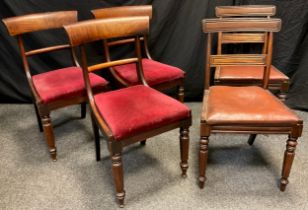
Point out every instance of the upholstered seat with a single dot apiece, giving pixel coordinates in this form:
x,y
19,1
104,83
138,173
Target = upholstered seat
x,y
138,109
238,73
154,72
64,83
250,105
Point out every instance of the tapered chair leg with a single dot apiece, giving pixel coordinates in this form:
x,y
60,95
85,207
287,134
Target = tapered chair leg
x,y
50,138
203,156
184,148
83,110
282,95
181,93
96,138
117,170
39,122
287,162
251,139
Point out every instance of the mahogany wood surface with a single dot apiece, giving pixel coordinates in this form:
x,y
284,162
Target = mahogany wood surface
x,y
245,10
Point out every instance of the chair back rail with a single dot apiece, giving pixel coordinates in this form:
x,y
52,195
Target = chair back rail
x,y
40,21
125,11
241,27
94,30
246,10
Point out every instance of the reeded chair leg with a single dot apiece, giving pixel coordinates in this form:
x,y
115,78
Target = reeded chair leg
x,y
184,148
203,156
83,110
287,162
39,122
117,170
251,139
181,93
96,138
50,138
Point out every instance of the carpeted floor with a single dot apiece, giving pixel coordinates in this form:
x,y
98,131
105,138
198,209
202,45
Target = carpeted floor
x,y
239,176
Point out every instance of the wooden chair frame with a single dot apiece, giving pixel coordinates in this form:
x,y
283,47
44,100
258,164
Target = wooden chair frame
x,y
18,26
95,30
130,11
294,131
248,11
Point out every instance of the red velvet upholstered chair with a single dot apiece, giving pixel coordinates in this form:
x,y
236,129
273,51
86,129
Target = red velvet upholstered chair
x,y
250,109
158,75
241,75
131,114
52,89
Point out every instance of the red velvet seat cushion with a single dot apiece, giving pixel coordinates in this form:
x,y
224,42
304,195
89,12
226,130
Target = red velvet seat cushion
x,y
225,105
64,83
136,109
248,72
154,72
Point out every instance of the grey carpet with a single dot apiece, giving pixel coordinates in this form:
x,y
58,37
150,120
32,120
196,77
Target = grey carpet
x,y
239,176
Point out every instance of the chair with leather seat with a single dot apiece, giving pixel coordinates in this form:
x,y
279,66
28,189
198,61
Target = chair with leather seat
x,y
132,114
51,89
244,109
158,75
240,75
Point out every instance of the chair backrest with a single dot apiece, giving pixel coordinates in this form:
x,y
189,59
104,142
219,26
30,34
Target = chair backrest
x,y
20,25
125,11
244,11
94,30
240,28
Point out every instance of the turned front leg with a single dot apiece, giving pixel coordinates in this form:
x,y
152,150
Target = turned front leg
x,y
203,156
117,170
184,148
287,162
50,138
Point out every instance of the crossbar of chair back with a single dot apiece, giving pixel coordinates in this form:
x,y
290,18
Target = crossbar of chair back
x,y
94,30
245,10
241,24
40,21
240,28
128,11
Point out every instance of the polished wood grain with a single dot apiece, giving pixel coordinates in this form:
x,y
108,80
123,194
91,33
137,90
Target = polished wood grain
x,y
124,27
245,10
99,29
243,24
124,11
40,21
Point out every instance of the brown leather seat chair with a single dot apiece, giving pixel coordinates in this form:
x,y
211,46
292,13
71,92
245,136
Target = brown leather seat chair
x,y
240,75
158,75
52,89
246,110
131,114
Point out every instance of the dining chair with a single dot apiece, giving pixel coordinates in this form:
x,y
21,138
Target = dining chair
x,y
51,89
240,75
158,75
132,114
244,109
